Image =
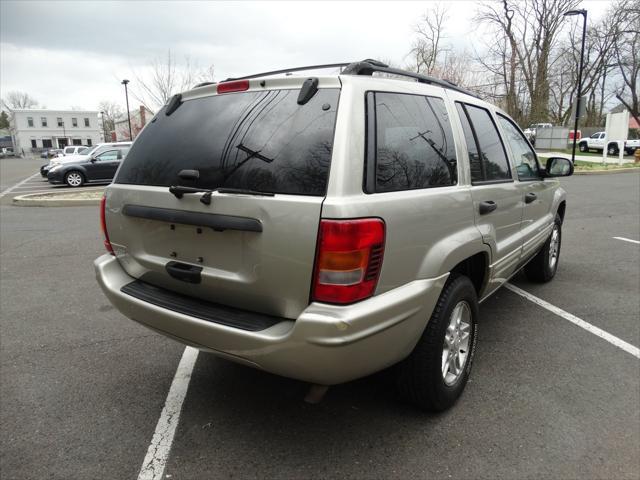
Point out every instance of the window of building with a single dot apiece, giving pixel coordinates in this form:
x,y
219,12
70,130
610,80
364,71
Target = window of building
x,y
34,144
76,141
487,156
86,122
412,145
74,122
523,155
60,123
30,121
43,121
47,143
88,142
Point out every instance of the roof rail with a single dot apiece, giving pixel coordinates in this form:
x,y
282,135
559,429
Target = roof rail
x,y
368,67
288,70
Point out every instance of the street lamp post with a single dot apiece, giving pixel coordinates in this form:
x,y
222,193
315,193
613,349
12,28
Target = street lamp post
x,y
582,12
126,94
104,127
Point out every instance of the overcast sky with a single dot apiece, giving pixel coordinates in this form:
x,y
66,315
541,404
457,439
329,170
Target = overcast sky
x,y
75,53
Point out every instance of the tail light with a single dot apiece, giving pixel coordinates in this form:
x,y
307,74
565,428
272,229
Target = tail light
x,y
236,86
348,260
103,226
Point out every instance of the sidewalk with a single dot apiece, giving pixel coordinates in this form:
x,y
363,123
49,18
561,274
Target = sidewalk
x,y
586,158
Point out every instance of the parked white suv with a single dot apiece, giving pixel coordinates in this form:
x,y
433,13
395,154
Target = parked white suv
x,y
75,150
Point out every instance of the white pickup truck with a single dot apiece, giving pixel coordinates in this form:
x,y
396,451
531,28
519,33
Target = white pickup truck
x,y
596,142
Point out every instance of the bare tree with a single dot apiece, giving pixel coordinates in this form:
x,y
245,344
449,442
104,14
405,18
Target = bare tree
x,y
626,49
531,29
430,42
165,78
112,113
16,100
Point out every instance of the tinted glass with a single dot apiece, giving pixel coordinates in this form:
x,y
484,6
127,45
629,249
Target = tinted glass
x,y
523,156
414,143
492,151
477,173
261,141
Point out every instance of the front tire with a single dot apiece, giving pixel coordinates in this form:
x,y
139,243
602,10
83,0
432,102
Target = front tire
x,y
435,374
542,268
74,179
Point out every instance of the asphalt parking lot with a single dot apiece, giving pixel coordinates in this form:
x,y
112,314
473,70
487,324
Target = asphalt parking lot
x,y
83,387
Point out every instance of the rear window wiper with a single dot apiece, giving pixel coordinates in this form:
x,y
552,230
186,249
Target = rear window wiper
x,y
179,191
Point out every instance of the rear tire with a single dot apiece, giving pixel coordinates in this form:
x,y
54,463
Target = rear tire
x,y
435,374
583,147
542,268
612,150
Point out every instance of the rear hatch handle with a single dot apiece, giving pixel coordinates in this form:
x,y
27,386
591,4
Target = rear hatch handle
x,y
183,271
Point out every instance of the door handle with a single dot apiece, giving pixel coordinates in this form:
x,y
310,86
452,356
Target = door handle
x,y
530,197
487,207
184,272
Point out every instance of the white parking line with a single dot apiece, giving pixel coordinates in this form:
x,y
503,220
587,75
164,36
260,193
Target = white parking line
x,y
627,240
10,189
627,347
158,452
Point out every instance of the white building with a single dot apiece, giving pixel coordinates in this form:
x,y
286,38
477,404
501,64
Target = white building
x,y
34,130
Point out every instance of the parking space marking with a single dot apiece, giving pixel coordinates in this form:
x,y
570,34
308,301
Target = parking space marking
x,y
627,347
627,240
158,452
11,189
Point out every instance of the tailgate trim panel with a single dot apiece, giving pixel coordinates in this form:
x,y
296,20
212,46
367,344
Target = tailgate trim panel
x,y
214,220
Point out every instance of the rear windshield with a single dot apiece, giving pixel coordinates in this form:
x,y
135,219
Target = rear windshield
x,y
260,141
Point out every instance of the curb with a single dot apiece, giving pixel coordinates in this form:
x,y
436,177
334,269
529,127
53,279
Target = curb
x,y
29,201
607,172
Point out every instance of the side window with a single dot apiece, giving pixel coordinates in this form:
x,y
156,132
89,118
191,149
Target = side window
x,y
413,146
108,156
524,156
493,165
475,163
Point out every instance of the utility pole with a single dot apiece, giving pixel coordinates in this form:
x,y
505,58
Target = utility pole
x,y
126,94
582,12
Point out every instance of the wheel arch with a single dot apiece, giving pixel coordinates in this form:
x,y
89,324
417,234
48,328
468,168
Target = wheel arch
x,y
476,268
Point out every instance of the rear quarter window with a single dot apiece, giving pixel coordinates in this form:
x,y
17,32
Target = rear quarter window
x,y
260,141
410,143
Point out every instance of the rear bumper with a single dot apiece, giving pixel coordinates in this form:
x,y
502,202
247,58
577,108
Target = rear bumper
x,y
326,344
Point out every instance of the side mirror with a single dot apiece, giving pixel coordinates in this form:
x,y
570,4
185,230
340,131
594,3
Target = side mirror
x,y
94,159
559,167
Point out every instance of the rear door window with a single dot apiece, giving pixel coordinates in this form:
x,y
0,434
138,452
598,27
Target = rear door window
x,y
483,143
412,146
260,141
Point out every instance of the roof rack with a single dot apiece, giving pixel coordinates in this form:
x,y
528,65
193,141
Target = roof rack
x,y
288,70
364,67
368,67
